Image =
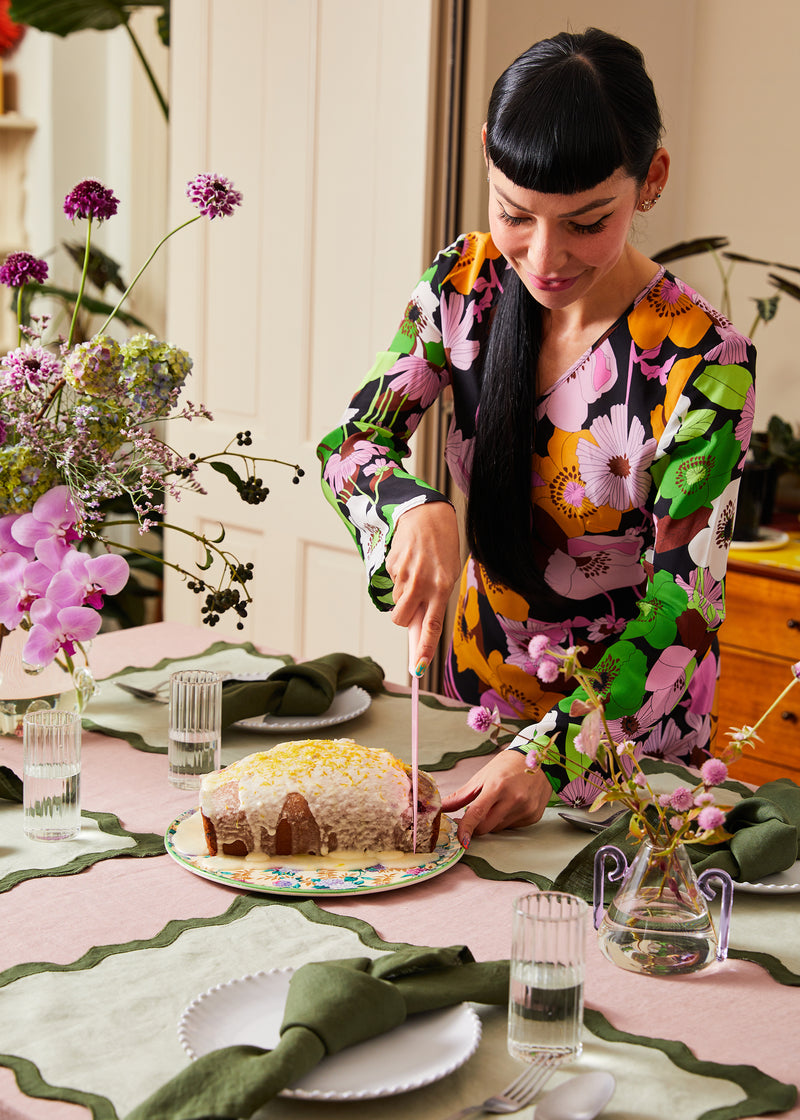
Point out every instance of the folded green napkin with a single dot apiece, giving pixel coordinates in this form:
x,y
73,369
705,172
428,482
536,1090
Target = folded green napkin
x,y
10,785
330,1005
765,840
766,834
305,689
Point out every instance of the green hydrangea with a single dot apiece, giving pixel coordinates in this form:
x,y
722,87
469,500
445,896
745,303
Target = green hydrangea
x,y
94,367
153,371
23,479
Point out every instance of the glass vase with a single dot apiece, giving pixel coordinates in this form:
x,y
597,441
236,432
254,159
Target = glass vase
x,y
658,922
25,688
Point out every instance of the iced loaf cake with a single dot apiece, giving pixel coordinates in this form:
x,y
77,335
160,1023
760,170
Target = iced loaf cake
x,y
317,796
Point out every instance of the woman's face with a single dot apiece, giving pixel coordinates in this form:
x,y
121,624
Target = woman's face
x,y
564,247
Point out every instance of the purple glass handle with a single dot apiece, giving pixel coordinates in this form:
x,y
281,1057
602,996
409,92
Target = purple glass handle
x,y
704,882
616,873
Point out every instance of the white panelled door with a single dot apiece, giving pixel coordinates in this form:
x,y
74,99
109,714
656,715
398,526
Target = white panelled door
x,y
318,111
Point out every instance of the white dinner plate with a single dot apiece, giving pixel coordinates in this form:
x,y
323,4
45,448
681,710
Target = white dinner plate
x,y
340,873
347,704
784,882
249,1011
767,539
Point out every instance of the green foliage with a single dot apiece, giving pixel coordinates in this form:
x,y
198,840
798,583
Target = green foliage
x,y
63,17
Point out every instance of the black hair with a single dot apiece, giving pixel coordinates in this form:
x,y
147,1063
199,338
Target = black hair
x,y
565,116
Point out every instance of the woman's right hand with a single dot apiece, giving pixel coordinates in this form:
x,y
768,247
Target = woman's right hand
x,y
424,563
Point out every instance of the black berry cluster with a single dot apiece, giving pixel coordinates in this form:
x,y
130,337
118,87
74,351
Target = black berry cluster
x,y
244,439
253,491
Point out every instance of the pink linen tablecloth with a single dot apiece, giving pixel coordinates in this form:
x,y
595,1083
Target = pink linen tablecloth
x,y
735,1013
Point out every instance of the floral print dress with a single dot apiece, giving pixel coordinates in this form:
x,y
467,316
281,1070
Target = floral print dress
x,y
639,450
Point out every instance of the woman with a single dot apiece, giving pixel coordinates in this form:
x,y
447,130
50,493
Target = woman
x,y
602,411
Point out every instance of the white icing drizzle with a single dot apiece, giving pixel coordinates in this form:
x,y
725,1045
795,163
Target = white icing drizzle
x,y
356,793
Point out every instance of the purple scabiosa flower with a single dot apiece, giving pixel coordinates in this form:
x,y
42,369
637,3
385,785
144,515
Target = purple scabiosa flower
x,y
705,797
536,756
213,195
675,823
588,738
28,367
713,771
481,719
796,670
20,268
548,670
90,199
710,818
682,799
664,800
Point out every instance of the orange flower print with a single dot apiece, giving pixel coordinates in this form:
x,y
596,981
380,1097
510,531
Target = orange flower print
x,y
559,489
477,249
666,311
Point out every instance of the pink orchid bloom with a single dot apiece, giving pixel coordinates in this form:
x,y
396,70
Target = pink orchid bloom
x,y
52,518
83,580
21,583
7,541
57,628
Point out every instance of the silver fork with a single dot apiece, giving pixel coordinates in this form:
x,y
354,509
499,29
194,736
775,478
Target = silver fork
x,y
519,1093
146,693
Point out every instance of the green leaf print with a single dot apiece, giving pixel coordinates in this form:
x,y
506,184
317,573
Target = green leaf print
x,y
726,386
624,671
695,424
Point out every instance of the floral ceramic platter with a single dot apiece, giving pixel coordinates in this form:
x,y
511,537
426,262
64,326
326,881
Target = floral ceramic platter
x,y
340,873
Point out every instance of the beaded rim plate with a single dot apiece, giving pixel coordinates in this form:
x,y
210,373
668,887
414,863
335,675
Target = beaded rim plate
x,y
249,1011
784,882
302,876
347,704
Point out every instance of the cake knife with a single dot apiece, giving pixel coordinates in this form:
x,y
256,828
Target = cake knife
x,y
414,631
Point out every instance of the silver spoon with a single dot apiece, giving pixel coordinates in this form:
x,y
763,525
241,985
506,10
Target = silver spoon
x,y
581,1098
591,825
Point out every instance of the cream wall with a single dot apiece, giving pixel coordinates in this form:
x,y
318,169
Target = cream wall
x,y
727,78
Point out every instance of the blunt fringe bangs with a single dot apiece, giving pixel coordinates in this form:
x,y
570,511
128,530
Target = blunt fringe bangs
x,y
572,110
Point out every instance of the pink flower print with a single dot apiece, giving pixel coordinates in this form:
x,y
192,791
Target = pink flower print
x,y
567,403
606,627
580,793
744,426
341,468
594,564
456,325
614,468
665,742
666,683
731,350
652,370
377,471
416,379
458,453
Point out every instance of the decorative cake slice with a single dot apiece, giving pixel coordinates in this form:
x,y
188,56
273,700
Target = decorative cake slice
x,y
317,796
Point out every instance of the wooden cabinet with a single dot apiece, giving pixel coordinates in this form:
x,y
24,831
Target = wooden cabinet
x,y
760,641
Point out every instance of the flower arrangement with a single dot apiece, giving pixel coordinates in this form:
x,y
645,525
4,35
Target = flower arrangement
x,y
686,815
80,429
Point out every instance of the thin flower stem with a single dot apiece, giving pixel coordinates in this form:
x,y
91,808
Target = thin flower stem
x,y
82,285
133,282
773,705
150,75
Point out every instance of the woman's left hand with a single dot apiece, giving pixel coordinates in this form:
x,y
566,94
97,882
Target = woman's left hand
x,y
503,794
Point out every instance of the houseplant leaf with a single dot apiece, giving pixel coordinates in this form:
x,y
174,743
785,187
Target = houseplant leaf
x,y
62,17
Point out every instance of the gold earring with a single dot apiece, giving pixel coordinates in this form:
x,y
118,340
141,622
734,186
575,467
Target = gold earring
x,y
648,203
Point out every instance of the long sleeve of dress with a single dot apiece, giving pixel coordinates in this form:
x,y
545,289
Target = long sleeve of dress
x,y
363,473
